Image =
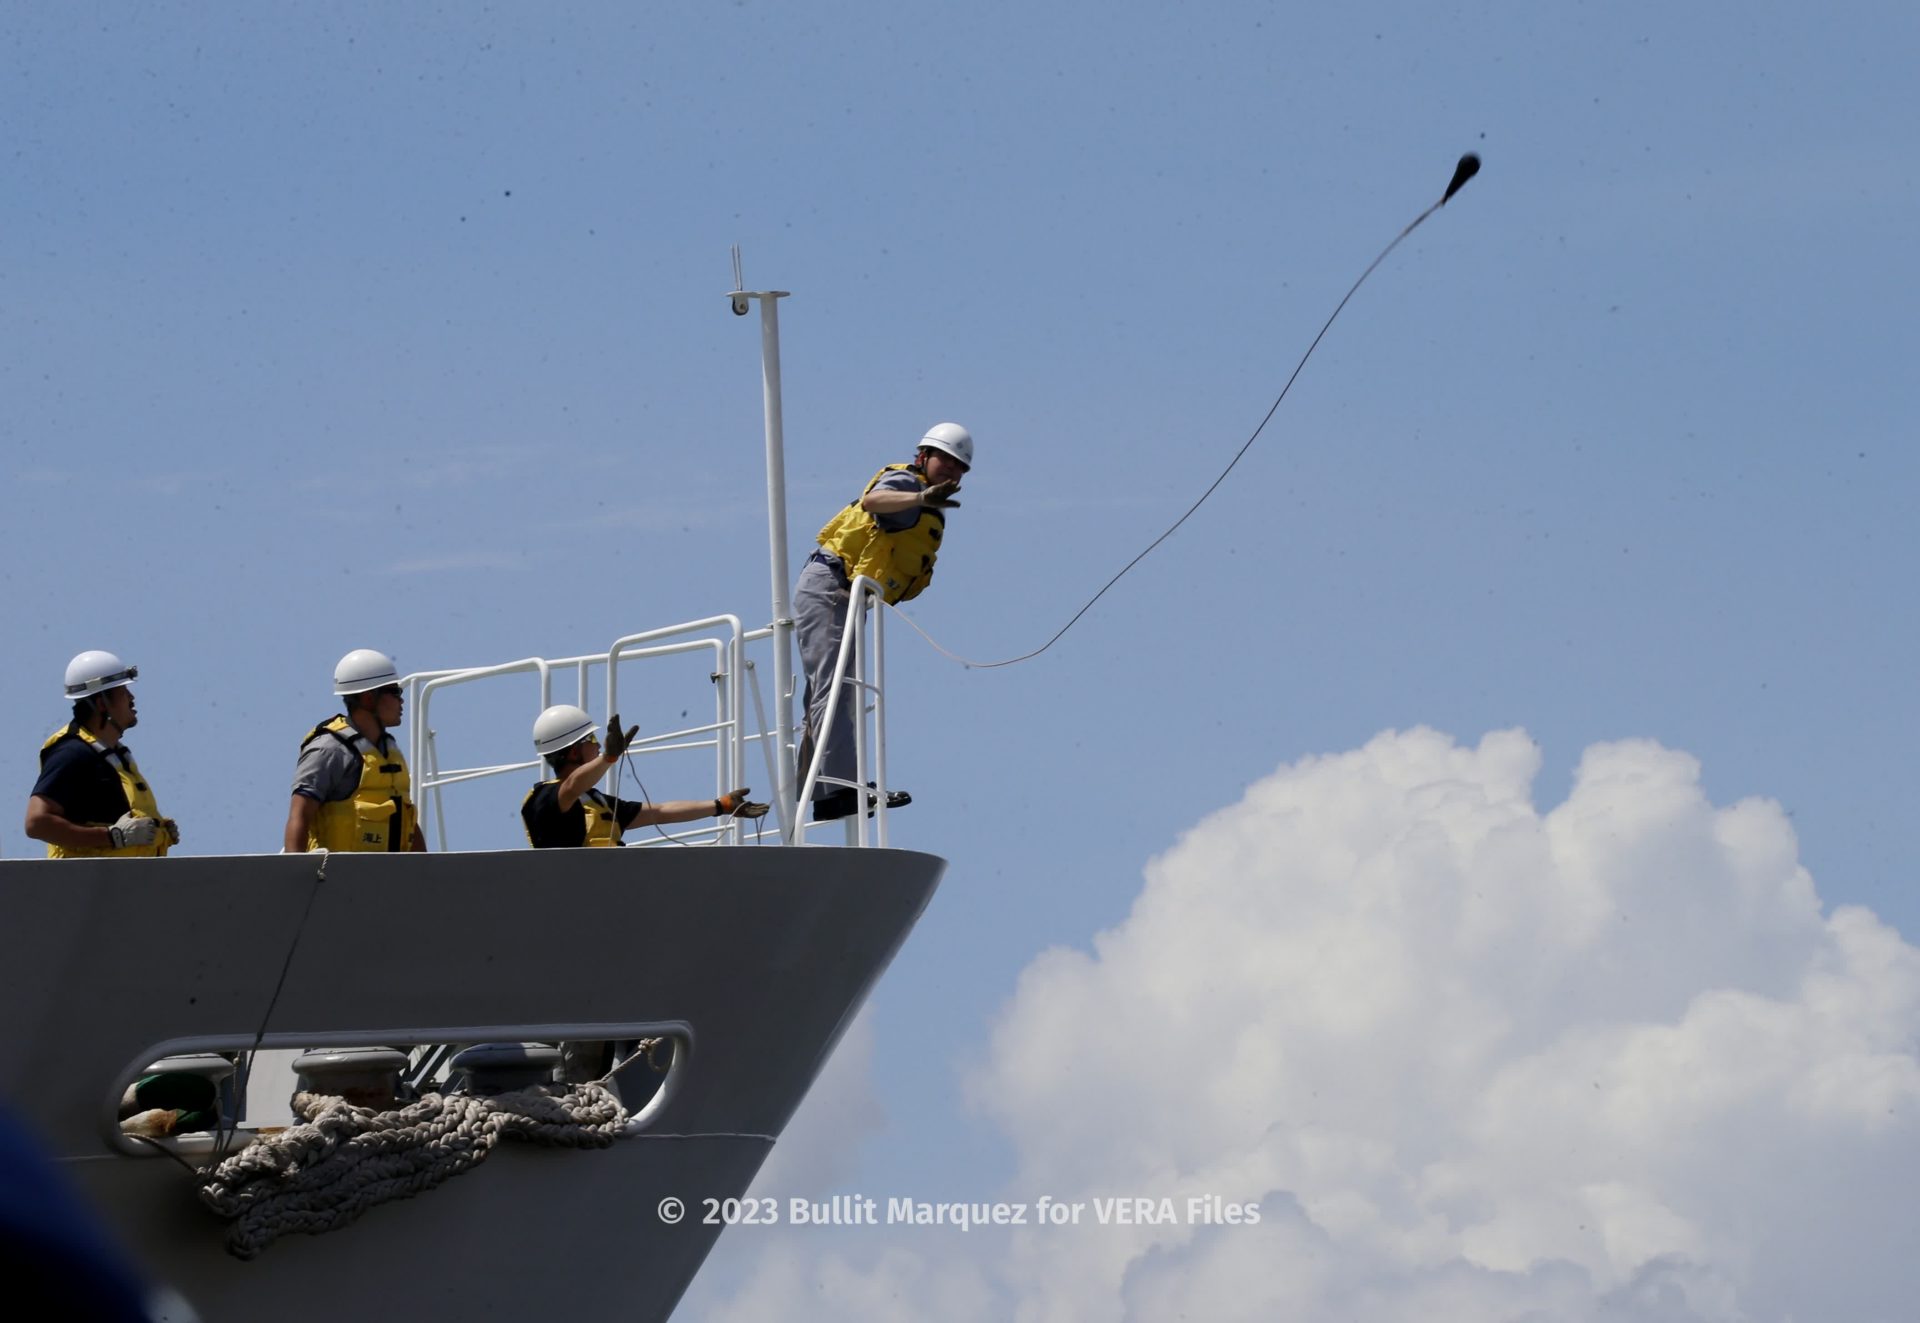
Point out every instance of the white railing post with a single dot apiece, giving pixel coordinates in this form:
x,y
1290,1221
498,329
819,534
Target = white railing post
x,y
736,699
857,695
439,804
880,725
722,744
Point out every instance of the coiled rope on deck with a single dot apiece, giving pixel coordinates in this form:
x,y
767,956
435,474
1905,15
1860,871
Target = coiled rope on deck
x,y
343,1160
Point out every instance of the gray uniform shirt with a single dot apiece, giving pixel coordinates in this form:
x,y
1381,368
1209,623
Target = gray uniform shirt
x,y
330,771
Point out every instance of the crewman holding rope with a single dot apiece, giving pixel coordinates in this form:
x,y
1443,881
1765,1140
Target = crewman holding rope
x,y
92,801
569,810
350,788
892,535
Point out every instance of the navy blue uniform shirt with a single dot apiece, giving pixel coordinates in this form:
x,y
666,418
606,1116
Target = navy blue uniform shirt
x,y
83,783
548,827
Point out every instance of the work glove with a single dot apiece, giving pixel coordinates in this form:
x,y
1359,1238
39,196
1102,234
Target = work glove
x,y
939,495
618,740
172,829
132,831
735,802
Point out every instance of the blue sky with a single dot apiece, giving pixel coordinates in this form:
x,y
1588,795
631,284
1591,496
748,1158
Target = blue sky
x,y
398,326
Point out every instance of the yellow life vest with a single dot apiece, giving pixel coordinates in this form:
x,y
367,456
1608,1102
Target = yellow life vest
x,y
603,829
140,800
902,563
379,816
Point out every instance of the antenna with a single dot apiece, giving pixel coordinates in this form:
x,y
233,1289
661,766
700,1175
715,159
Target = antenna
x,y
739,297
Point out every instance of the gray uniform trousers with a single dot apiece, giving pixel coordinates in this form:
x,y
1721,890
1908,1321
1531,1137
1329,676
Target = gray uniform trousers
x,y
820,601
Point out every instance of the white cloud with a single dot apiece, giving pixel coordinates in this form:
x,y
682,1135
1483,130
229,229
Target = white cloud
x,y
790,1282
1611,1062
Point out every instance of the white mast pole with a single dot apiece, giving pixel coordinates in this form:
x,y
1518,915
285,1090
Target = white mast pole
x,y
777,539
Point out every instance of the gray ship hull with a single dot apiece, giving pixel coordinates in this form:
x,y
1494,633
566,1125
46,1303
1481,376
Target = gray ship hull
x,y
755,960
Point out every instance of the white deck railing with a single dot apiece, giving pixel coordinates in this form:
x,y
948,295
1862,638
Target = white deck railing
x,y
734,679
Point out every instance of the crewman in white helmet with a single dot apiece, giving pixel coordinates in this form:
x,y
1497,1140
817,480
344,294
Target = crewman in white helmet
x,y
892,535
92,801
350,787
568,810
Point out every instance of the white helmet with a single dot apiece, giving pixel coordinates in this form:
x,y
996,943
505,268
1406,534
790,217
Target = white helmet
x,y
950,439
363,669
96,672
560,727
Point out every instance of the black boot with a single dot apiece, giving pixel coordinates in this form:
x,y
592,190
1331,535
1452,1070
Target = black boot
x,y
834,805
840,803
